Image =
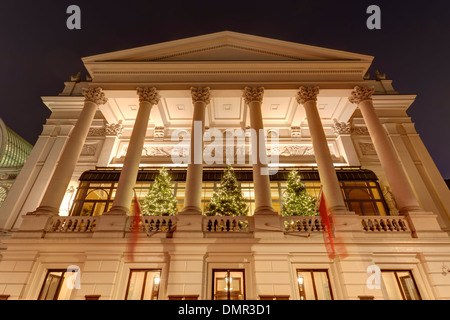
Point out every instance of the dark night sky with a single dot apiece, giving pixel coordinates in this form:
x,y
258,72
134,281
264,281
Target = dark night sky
x,y
38,52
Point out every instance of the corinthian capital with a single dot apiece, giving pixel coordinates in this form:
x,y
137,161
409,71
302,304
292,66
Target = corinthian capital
x,y
253,94
306,94
200,94
95,95
148,95
361,94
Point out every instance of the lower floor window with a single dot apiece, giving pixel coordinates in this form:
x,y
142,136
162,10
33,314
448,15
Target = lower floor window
x,y
228,284
143,285
314,285
57,285
400,285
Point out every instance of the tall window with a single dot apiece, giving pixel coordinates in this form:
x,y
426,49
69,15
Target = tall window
x,y
56,286
364,198
143,285
314,285
400,285
228,284
95,195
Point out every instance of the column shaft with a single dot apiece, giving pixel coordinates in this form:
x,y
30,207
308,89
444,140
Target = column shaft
x,y
400,186
261,178
60,180
124,194
328,178
194,176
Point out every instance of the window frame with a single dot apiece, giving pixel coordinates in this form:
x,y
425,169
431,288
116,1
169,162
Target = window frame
x,y
58,289
144,283
399,285
297,270
228,270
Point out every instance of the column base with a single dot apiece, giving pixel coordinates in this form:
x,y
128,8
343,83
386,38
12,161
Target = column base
x,y
45,210
118,210
339,210
265,211
191,211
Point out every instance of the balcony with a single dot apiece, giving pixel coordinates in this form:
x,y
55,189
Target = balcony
x,y
209,226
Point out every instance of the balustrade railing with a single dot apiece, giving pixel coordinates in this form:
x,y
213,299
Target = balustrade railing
x,y
392,224
228,224
72,224
154,223
302,223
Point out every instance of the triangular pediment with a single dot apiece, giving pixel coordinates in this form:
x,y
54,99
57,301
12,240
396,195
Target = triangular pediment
x,y
227,46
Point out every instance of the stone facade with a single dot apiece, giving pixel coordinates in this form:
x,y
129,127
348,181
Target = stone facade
x,y
346,121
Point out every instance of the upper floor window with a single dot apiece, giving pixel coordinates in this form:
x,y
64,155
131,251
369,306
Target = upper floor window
x,y
56,286
143,285
314,285
400,285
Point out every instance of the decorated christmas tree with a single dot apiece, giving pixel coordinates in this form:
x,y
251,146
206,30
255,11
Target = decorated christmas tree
x,y
296,200
160,200
227,199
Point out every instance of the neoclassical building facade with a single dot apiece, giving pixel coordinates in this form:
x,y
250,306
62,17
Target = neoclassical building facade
x,y
67,221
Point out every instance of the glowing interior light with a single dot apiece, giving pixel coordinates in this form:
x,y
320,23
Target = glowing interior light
x,y
300,280
156,279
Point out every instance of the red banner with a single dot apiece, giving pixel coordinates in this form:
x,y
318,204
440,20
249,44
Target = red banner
x,y
328,232
136,219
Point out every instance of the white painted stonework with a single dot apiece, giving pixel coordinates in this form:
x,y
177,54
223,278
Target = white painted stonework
x,y
371,130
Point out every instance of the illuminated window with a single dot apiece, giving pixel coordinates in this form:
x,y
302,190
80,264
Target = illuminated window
x,y
143,285
228,284
56,286
364,198
314,285
97,189
400,285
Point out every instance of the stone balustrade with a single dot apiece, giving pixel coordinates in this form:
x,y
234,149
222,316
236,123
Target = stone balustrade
x,y
227,224
384,224
71,224
302,224
210,226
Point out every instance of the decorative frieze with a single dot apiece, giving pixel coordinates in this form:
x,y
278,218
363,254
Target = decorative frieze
x,y
114,129
95,95
360,131
342,127
306,94
96,132
88,150
253,94
200,94
367,148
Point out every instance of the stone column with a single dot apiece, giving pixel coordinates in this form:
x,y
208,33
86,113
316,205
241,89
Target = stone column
x,y
148,97
194,178
307,96
403,193
263,198
60,180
